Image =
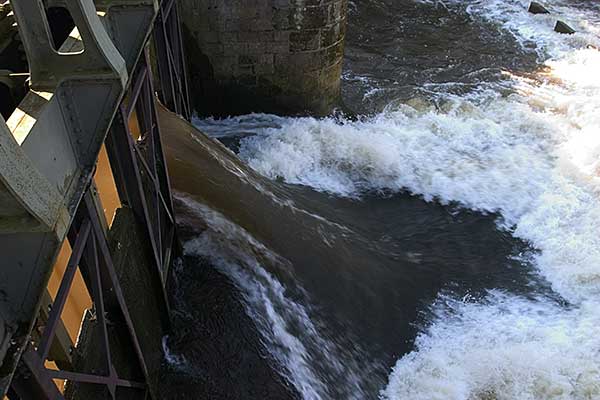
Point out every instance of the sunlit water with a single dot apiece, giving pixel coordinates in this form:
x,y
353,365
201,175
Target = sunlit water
x,y
444,244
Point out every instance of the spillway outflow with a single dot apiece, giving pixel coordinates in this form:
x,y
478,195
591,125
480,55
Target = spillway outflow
x,y
523,149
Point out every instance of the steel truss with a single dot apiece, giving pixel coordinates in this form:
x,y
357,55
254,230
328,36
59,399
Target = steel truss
x,y
91,253
172,69
141,177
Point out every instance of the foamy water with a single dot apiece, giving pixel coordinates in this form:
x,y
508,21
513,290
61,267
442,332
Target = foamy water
x,y
292,338
533,157
509,347
504,348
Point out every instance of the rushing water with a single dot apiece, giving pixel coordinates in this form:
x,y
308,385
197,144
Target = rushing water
x,y
444,243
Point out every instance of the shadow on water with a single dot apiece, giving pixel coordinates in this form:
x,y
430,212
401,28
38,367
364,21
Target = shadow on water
x,y
364,270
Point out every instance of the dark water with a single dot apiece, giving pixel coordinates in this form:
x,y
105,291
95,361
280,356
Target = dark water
x,y
406,49
341,286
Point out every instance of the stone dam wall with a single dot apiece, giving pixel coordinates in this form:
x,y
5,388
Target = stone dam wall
x,y
282,56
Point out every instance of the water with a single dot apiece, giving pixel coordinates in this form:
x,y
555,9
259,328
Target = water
x,y
441,243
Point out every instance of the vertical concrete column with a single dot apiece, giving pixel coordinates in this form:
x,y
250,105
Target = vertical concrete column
x,y
265,55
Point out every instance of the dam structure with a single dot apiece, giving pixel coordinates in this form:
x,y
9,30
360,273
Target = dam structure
x,y
194,204
88,230
87,225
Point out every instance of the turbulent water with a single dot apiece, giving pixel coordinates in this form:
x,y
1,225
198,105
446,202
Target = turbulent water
x,y
441,244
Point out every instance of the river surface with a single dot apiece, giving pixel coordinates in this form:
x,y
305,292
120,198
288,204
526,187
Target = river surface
x,y
443,241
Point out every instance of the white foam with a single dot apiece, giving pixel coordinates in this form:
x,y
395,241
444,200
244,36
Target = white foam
x,y
532,156
537,30
508,348
176,361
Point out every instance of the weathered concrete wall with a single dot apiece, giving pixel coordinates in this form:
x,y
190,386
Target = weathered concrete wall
x,y
265,55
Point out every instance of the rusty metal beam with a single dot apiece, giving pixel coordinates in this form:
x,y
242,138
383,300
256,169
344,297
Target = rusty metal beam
x,y
63,291
39,379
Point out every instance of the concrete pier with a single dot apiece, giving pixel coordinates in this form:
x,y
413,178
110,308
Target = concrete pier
x,y
281,56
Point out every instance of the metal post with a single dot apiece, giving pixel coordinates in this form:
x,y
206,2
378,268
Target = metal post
x,y
171,61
